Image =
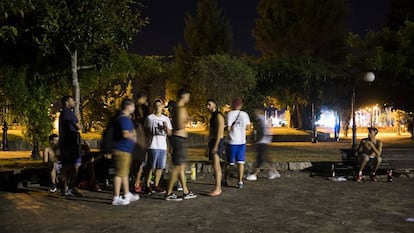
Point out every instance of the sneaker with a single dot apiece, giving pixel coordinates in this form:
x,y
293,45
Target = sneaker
x,y
97,188
273,175
75,192
147,190
53,188
120,201
359,179
131,197
189,195
138,188
251,177
173,197
179,187
240,185
158,189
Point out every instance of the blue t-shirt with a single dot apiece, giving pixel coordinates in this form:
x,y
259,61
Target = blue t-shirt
x,y
125,145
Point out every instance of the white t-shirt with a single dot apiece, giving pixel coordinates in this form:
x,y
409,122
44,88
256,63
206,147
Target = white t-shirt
x,y
158,135
237,136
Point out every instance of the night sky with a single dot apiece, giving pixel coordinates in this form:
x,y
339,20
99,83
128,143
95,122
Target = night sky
x,y
167,22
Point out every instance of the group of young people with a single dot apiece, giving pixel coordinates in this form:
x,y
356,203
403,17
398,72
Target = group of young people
x,y
141,147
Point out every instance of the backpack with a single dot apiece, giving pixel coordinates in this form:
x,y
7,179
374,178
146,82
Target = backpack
x,y
111,135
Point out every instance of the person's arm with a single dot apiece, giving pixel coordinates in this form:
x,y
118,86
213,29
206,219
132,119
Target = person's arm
x,y
377,148
359,148
46,155
128,131
219,133
168,126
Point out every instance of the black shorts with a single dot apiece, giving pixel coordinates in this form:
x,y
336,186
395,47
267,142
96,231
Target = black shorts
x,y
179,150
71,155
220,150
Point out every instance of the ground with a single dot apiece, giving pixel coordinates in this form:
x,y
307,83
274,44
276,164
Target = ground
x,y
295,203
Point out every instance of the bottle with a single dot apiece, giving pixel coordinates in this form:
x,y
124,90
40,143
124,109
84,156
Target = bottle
x,y
193,172
333,170
389,175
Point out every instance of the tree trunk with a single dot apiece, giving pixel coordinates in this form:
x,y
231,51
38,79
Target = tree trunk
x,y
75,82
299,116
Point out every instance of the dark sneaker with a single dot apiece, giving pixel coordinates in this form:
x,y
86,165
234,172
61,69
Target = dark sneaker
x,y
147,191
73,193
173,197
189,195
53,188
158,189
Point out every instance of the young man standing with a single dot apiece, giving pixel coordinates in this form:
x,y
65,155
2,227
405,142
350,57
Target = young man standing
x,y
216,143
51,156
122,154
262,140
180,119
69,144
369,152
238,122
140,151
159,127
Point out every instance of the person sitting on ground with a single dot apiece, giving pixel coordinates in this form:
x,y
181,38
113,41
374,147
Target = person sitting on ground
x,y
51,157
86,174
369,152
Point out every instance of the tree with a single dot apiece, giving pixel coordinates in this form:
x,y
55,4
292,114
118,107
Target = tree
x,y
209,32
87,31
303,45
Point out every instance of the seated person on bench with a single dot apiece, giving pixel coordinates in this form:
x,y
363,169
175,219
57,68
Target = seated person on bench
x,y
369,152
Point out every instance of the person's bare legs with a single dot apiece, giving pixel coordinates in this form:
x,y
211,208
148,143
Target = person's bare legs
x,y
158,174
226,172
117,185
125,184
173,178
182,178
148,178
217,175
139,174
378,162
241,171
364,161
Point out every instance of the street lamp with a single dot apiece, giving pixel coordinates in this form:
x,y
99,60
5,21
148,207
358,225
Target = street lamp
x,y
369,77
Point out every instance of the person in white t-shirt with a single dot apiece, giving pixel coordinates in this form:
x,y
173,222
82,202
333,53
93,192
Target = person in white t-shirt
x,y
158,127
238,122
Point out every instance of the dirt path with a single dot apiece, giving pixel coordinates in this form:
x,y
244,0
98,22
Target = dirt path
x,y
294,203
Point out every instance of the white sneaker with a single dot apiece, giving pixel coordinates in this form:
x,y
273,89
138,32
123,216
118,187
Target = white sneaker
x,y
251,177
131,197
273,175
120,201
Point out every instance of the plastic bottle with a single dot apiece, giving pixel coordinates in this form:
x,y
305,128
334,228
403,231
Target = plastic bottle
x,y
333,170
389,175
193,172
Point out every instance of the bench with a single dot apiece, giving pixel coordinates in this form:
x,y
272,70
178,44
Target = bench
x,y
398,160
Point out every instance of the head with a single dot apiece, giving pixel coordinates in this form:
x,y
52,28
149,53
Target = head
x,y
237,103
68,101
142,97
158,106
183,95
128,106
259,111
212,105
372,132
53,139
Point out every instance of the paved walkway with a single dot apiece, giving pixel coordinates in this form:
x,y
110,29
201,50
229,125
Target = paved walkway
x,y
294,203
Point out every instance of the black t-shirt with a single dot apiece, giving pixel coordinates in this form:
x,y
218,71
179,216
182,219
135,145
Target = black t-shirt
x,y
68,131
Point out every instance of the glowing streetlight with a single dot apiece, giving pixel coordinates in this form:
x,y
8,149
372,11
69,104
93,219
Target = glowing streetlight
x,y
368,77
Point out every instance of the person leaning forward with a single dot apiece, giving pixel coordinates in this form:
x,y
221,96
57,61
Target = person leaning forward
x,y
369,153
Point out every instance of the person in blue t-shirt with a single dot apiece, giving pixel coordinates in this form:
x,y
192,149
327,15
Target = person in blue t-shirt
x,y
122,154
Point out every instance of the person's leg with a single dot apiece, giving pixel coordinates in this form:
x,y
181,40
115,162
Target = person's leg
x,y
231,160
377,163
172,179
241,172
117,185
158,174
139,167
363,162
182,178
241,158
217,175
160,166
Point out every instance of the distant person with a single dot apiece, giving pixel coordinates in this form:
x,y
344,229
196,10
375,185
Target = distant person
x,y
262,141
178,139
122,154
159,127
216,145
140,151
51,157
238,122
69,144
369,153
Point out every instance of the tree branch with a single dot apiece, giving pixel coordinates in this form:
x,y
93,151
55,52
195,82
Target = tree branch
x,y
86,67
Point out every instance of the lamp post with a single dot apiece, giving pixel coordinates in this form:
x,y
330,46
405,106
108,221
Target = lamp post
x,y
369,77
